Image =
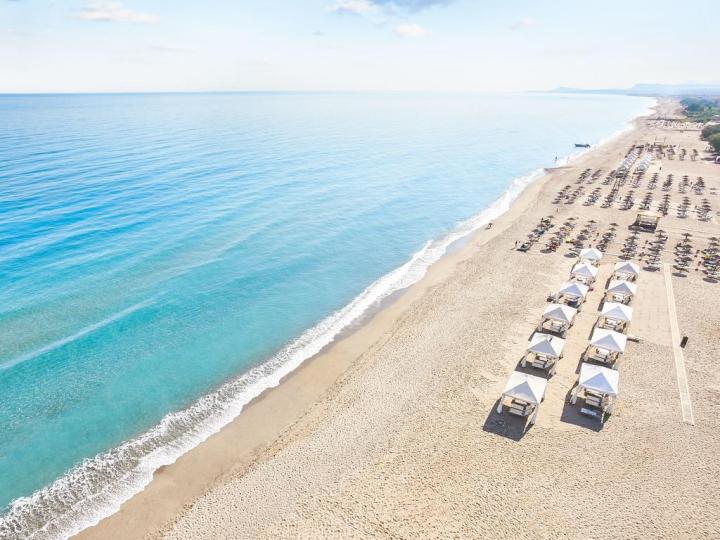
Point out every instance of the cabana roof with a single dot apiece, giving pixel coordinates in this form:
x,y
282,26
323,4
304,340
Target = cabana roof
x,y
559,312
524,387
617,311
591,254
583,269
620,286
627,267
608,339
573,288
546,344
599,379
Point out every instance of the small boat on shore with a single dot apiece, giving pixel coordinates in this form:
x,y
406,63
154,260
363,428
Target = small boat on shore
x,y
582,145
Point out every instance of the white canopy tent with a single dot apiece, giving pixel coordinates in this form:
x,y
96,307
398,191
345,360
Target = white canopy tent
x,y
573,289
599,385
626,270
606,346
526,392
584,272
615,316
592,255
545,350
560,316
621,290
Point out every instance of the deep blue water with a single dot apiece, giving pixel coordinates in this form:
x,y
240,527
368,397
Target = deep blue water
x,y
154,247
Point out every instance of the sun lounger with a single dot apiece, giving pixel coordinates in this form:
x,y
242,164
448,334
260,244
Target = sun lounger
x,y
557,326
611,324
545,363
593,400
591,412
520,408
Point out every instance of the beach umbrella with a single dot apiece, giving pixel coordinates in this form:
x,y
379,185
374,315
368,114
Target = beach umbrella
x,y
559,312
591,254
585,270
620,286
528,388
608,340
599,379
546,345
574,289
617,311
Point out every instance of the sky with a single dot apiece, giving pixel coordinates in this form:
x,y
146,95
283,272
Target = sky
x,y
355,45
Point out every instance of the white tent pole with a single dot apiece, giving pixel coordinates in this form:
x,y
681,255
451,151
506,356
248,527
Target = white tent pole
x,y
499,407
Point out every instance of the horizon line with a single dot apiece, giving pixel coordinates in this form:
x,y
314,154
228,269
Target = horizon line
x,y
162,92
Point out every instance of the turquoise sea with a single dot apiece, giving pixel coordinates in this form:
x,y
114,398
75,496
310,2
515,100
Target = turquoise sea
x,y
164,258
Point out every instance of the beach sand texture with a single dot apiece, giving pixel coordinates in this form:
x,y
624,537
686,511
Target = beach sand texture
x,y
392,431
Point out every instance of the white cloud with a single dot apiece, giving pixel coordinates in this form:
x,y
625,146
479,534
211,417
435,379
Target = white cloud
x,y
355,7
411,30
169,47
109,11
525,22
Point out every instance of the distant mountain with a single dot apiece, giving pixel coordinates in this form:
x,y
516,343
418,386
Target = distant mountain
x,y
650,90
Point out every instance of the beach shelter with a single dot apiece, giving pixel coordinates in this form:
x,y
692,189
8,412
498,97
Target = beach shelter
x,y
606,346
584,272
544,351
626,270
525,392
608,339
621,290
560,317
615,316
591,254
647,220
599,385
573,289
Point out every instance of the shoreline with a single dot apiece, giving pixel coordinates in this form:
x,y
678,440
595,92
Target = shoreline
x,y
244,442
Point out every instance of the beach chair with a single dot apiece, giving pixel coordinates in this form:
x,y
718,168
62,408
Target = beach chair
x,y
545,363
593,399
559,328
594,413
612,324
574,302
520,408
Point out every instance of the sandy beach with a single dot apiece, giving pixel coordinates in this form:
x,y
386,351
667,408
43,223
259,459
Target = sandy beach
x,y
392,431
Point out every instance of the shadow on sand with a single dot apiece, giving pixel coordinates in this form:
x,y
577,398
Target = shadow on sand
x,y
506,425
571,415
